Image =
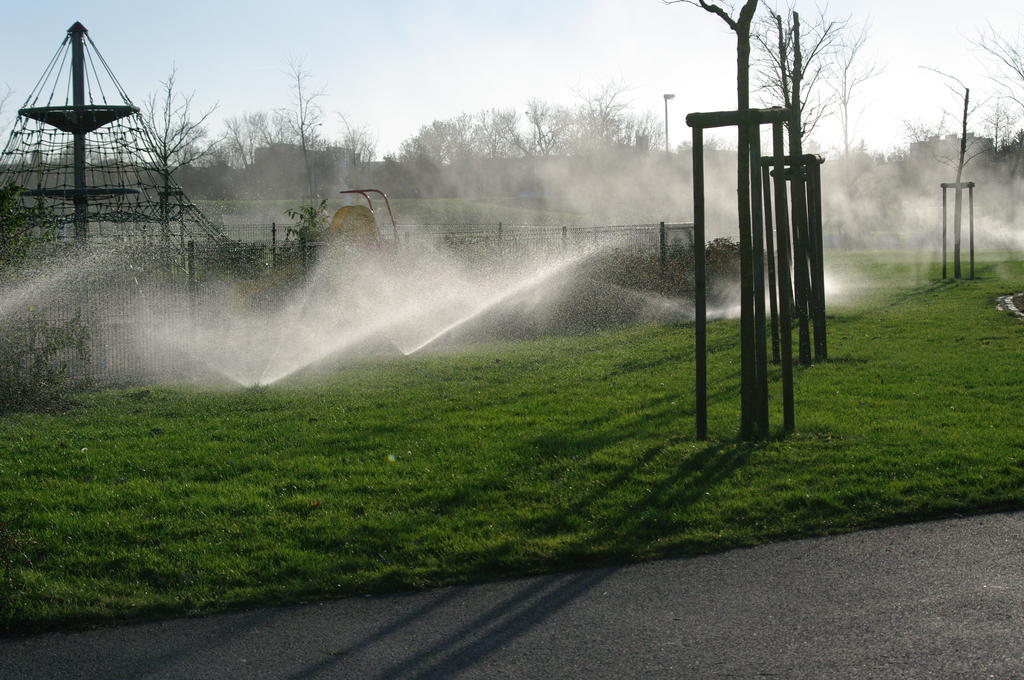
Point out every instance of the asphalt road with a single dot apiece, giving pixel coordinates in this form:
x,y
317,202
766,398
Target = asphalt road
x,y
932,600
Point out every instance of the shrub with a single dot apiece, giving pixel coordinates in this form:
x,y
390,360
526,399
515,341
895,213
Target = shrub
x,y
35,353
17,225
723,270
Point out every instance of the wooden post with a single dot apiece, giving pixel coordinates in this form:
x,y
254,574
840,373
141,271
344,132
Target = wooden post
x,y
565,239
193,281
753,357
760,399
273,244
785,284
800,269
970,204
190,267
700,288
661,246
958,194
748,372
769,245
818,259
943,232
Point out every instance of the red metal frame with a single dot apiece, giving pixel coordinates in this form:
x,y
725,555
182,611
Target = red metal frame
x,y
365,194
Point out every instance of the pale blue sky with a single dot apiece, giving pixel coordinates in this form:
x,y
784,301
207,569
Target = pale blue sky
x,y
394,66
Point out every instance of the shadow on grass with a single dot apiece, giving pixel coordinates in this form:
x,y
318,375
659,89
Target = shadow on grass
x,y
522,606
629,530
619,536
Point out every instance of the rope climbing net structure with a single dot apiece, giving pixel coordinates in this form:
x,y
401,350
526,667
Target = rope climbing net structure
x,y
82,150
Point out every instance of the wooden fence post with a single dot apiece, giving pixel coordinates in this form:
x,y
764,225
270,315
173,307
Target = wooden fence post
x,y
943,232
700,287
661,246
785,283
769,245
818,259
970,202
760,363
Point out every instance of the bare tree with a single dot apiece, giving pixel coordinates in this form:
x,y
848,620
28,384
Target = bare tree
x,y
1000,123
1007,55
643,130
442,141
741,26
243,135
304,117
967,146
601,117
775,47
176,133
359,141
960,90
1006,52
850,71
548,128
495,133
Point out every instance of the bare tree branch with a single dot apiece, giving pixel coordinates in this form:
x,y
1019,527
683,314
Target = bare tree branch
x,y
304,117
850,72
725,13
243,135
176,131
774,50
1000,123
549,128
1008,55
359,141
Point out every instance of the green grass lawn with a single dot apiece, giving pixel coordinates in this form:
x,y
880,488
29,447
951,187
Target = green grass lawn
x,y
509,459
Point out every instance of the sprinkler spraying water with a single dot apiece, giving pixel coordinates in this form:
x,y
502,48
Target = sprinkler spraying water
x,y
360,293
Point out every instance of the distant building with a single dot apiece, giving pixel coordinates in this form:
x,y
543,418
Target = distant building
x,y
948,147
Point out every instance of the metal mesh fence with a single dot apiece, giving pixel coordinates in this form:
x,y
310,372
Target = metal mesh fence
x,y
638,238
138,300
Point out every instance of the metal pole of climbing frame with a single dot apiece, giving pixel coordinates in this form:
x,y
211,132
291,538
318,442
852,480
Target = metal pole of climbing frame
x,y
77,33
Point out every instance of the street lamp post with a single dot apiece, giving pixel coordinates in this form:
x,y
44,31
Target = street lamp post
x,y
667,97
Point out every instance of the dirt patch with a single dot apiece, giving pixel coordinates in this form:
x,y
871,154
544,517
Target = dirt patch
x,y
1014,302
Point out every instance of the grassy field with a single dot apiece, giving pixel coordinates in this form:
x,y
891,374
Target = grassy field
x,y
508,459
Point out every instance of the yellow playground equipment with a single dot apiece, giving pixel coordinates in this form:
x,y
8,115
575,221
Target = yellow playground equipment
x,y
358,223
351,225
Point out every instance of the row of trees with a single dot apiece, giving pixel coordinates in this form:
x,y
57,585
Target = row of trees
x,y
833,69
601,121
